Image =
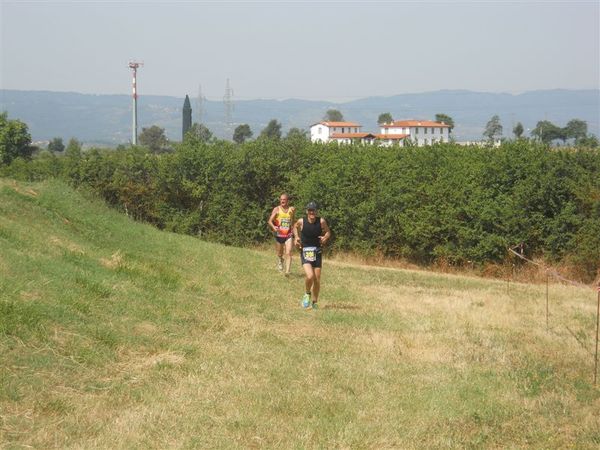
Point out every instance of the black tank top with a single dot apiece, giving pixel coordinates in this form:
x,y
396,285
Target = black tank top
x,y
311,232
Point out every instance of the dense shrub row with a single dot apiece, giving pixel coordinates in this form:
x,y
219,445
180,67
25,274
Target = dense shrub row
x,y
440,203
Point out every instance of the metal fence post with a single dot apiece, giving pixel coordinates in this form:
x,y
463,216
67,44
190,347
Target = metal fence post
x,y
597,324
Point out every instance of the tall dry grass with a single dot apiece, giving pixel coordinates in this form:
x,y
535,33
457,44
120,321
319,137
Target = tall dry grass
x,y
115,335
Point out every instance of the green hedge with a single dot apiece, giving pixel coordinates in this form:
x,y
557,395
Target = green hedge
x,y
439,203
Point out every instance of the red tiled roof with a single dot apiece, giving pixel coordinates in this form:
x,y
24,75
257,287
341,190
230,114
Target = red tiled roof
x,y
350,135
415,123
339,124
391,136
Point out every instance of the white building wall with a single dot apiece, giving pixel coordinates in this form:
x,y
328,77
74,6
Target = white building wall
x,y
420,135
322,133
395,130
431,135
344,129
319,133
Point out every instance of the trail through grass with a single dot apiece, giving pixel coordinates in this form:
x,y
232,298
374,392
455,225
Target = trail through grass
x,y
116,335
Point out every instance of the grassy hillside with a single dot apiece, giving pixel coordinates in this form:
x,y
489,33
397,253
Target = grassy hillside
x,y
116,335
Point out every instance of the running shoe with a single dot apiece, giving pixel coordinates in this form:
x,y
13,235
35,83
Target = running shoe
x,y
314,305
306,301
280,265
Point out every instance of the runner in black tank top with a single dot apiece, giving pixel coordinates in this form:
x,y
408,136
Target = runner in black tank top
x,y
311,232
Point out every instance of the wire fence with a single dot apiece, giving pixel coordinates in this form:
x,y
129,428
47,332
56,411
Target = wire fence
x,y
517,250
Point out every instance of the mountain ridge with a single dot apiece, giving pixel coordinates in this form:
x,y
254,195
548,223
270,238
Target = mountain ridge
x,y
106,118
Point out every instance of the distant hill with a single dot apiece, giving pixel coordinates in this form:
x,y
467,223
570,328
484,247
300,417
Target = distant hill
x,y
106,119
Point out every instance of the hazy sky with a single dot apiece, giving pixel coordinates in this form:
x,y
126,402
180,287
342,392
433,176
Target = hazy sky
x,y
326,50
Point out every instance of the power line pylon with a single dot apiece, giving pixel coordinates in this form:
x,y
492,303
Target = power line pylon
x,y
228,103
200,105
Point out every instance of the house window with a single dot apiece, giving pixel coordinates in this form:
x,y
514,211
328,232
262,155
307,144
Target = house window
x,y
425,130
416,131
342,130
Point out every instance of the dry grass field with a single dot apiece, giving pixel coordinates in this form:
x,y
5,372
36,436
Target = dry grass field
x,y
116,335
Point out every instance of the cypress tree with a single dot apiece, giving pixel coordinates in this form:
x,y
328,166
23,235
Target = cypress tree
x,y
187,117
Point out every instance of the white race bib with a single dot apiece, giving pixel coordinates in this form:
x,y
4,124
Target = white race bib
x,y
309,254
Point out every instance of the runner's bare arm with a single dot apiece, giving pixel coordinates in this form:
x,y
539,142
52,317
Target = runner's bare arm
x,y
297,232
272,226
327,231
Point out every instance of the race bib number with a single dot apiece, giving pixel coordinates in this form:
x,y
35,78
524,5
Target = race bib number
x,y
309,254
285,223
284,227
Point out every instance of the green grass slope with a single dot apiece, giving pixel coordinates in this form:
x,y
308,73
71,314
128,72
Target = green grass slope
x,y
116,335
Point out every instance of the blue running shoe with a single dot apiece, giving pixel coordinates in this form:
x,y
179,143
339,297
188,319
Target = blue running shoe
x,y
306,301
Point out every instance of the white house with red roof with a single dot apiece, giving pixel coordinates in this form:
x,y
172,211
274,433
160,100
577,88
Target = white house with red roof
x,y
420,132
342,132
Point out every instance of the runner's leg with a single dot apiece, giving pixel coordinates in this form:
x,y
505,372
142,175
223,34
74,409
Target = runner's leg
x,y
316,287
279,251
309,278
288,255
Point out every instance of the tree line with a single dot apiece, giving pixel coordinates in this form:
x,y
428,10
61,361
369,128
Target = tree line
x,y
444,203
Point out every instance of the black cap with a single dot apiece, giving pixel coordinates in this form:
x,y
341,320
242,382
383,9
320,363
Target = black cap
x,y
311,205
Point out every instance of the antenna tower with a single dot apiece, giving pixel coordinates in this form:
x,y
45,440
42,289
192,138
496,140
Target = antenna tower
x,y
134,66
200,105
228,103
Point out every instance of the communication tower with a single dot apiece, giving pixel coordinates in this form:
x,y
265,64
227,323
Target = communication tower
x,y
134,66
228,103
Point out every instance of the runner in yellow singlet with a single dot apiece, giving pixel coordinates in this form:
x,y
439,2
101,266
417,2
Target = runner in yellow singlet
x,y
281,222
